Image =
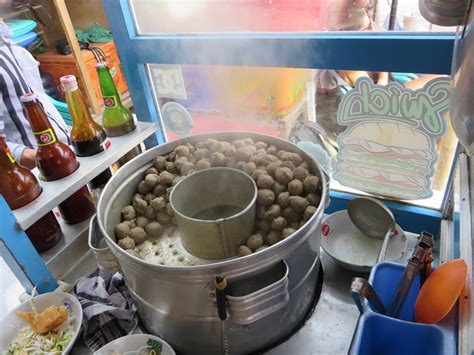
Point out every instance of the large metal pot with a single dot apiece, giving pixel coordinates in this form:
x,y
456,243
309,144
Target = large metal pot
x,y
269,292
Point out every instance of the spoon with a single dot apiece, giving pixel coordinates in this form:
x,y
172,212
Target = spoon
x,y
373,219
440,292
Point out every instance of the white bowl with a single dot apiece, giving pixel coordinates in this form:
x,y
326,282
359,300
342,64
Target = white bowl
x,y
12,323
132,344
352,249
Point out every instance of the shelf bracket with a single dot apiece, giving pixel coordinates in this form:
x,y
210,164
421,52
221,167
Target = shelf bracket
x,y
21,256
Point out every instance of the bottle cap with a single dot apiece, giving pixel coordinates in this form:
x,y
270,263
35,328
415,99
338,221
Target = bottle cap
x,y
101,65
28,97
68,82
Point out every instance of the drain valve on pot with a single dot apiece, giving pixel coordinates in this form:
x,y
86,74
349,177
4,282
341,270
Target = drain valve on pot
x,y
215,211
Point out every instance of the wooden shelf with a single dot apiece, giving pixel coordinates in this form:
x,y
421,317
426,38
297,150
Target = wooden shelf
x,y
55,192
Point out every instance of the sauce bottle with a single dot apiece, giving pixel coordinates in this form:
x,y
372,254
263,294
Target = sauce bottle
x,y
88,137
117,119
19,187
56,160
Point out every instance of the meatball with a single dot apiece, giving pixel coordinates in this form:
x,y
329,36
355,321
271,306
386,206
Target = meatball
x,y
272,167
158,204
141,221
203,164
264,225
283,199
308,212
243,154
265,181
209,142
128,213
159,190
180,161
169,209
272,150
295,187
261,145
140,205
163,217
313,198
244,250
284,175
298,203
171,167
255,241
201,153
238,144
294,225
249,168
261,210
152,180
290,214
288,164
311,183
143,188
257,172
278,188
290,156
166,178
138,235
305,165
217,147
286,232
182,151
122,230
300,173
150,213
187,168
273,212
229,151
154,229
159,163
218,159
248,141
279,223
148,197
265,197
273,237
176,180
126,243
151,171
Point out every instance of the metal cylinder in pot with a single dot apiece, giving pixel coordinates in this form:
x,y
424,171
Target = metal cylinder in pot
x,y
178,302
215,211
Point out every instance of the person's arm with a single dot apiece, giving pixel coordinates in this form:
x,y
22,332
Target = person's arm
x,y
351,76
383,78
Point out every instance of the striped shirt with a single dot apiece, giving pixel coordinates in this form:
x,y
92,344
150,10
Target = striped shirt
x,y
19,74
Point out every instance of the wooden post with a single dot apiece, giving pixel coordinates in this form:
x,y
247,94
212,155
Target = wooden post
x,y
68,28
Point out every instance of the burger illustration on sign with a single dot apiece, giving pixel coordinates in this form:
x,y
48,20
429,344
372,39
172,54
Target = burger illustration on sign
x,y
389,145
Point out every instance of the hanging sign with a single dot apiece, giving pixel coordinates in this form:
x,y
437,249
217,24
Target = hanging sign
x,y
389,145
167,81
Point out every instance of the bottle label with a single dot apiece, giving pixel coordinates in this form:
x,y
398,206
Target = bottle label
x,y
8,154
106,144
110,101
45,137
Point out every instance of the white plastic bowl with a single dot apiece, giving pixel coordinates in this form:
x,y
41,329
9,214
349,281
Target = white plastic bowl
x,y
352,249
132,345
12,323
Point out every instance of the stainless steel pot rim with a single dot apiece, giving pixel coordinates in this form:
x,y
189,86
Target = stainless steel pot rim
x,y
243,211
245,262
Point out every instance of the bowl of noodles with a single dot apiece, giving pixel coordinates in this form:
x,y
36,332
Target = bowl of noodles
x,y
137,344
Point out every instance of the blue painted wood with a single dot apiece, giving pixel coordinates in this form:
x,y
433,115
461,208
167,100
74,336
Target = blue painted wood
x,y
21,256
411,218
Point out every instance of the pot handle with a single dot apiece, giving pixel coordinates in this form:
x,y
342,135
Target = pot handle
x,y
255,297
106,261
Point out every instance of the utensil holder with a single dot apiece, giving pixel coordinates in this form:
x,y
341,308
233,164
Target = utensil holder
x,y
380,334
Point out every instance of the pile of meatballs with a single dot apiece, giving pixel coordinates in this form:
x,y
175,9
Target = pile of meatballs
x,y
288,194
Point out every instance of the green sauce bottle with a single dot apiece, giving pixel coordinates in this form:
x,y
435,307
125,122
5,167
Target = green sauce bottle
x,y
117,119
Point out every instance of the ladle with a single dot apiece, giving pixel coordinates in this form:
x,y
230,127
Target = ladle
x,y
373,219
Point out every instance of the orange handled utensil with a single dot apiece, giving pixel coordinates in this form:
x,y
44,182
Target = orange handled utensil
x,y
439,293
